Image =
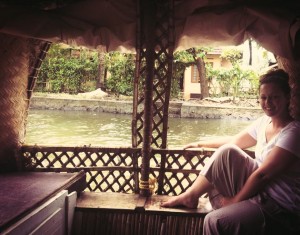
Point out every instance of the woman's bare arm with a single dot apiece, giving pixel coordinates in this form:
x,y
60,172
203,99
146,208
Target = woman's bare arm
x,y
215,143
242,140
278,161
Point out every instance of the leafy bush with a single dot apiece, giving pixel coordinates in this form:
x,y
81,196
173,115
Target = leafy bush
x,y
121,72
234,81
63,72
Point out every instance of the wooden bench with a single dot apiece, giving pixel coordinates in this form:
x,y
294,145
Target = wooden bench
x,y
129,214
118,213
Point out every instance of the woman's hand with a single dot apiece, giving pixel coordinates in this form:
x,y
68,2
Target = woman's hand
x,y
189,154
191,145
215,143
226,201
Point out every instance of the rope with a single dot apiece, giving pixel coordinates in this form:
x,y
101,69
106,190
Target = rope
x,y
150,185
144,184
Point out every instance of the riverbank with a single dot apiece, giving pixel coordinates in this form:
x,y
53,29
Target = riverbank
x,y
203,109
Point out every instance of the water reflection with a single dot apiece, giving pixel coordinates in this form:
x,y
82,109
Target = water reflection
x,y
49,127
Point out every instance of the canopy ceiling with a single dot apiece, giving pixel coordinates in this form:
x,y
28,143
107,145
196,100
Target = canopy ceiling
x,y
111,24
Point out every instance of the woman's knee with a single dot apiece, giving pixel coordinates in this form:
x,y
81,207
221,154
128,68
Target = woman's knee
x,y
230,152
210,219
212,223
240,218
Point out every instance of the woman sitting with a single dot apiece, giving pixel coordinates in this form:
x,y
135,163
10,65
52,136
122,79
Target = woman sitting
x,y
245,191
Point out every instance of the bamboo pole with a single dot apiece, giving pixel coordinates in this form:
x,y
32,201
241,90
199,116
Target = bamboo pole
x,y
134,131
136,80
147,12
36,67
170,49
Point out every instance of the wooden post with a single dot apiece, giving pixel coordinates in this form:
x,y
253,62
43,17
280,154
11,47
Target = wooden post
x,y
37,63
171,42
134,120
134,130
154,60
147,12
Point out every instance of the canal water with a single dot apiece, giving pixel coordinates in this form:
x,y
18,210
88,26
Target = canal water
x,y
51,127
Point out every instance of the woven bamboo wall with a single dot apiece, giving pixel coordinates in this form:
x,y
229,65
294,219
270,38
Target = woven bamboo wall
x,y
20,60
14,60
131,223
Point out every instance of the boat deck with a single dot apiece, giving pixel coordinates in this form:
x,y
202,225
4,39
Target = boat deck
x,y
129,214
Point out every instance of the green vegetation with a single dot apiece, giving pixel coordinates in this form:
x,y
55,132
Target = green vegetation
x,y
67,71
234,81
121,69
72,71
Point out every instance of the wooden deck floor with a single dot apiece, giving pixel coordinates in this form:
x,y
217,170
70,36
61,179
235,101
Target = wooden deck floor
x,y
134,202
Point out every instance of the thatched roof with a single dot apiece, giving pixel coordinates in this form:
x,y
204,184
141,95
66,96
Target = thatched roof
x,y
112,24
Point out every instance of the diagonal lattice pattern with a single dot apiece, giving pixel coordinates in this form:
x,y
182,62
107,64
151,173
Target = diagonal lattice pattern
x,y
108,169
111,181
119,169
179,170
164,41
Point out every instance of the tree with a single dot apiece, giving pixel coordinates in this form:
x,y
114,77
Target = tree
x,y
102,71
195,56
233,54
250,51
199,55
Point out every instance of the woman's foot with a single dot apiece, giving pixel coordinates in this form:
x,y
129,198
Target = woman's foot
x,y
183,200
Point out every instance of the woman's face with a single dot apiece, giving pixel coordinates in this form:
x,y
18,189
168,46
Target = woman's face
x,y
272,100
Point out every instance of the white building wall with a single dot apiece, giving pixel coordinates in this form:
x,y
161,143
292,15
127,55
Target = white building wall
x,y
189,87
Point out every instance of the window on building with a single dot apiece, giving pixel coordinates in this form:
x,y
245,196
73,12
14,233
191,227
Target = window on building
x,y
195,75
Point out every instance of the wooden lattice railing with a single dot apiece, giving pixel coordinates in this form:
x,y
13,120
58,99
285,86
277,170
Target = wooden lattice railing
x,y
118,169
